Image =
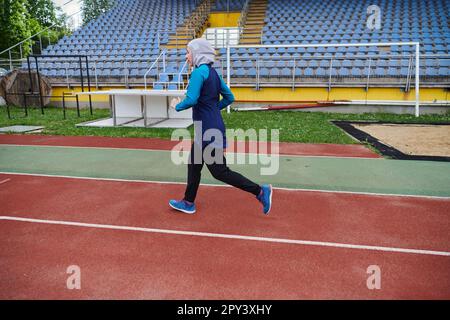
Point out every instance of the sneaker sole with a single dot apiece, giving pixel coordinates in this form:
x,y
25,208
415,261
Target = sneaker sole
x,y
185,211
270,199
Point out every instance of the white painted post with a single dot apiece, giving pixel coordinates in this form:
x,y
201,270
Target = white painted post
x,y
417,80
228,72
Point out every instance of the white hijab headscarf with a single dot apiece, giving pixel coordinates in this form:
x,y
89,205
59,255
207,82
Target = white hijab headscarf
x,y
202,51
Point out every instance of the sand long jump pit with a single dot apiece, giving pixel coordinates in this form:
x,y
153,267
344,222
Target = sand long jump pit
x,y
403,140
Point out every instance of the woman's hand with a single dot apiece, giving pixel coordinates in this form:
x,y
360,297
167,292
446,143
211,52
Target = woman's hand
x,y
174,102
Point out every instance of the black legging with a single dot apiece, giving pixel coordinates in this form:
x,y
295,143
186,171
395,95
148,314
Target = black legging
x,y
219,171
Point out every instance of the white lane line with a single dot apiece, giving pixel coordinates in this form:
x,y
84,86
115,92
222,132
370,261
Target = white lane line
x,y
164,150
4,181
230,236
227,186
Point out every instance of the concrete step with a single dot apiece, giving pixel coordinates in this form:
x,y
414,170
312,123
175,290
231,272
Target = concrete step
x,y
254,25
256,17
183,46
249,41
254,21
180,39
251,35
184,29
180,43
252,28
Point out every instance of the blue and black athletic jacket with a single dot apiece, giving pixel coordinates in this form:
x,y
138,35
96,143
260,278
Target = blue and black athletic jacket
x,y
203,95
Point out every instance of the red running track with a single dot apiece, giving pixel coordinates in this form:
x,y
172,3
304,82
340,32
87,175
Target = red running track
x,y
127,264
304,149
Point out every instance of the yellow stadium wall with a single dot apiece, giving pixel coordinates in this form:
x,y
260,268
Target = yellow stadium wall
x,y
321,94
218,20
57,92
299,94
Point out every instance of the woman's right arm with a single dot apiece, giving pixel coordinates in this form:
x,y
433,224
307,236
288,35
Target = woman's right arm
x,y
227,95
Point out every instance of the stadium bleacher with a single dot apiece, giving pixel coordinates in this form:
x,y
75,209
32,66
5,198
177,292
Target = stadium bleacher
x,y
129,32
344,21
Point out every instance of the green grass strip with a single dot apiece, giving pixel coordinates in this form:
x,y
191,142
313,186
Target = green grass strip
x,y
307,127
327,173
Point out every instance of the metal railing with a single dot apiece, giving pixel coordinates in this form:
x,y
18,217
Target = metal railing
x,y
342,70
242,22
251,35
180,74
64,97
68,67
190,28
347,45
163,55
243,17
326,70
360,69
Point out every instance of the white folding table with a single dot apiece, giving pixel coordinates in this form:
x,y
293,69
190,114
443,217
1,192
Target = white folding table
x,y
143,108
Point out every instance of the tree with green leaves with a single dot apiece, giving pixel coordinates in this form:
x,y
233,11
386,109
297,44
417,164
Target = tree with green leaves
x,y
44,11
14,24
94,8
20,19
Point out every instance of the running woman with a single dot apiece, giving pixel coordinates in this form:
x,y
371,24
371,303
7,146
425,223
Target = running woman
x,y
203,96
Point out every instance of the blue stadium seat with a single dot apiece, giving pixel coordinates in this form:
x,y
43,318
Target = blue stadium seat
x,y
264,72
403,72
130,29
240,72
379,72
344,72
308,72
321,72
158,86
251,72
393,72
444,71
164,77
247,64
286,72
274,72
356,72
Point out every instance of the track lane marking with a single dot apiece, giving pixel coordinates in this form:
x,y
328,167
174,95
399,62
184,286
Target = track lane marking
x,y
226,186
4,181
230,236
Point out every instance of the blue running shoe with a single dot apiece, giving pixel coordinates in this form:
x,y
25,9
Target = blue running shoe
x,y
182,206
266,197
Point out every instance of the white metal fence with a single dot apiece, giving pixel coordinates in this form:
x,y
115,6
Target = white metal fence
x,y
416,46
